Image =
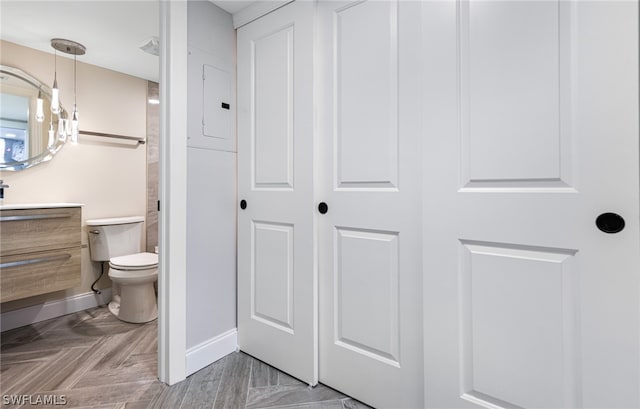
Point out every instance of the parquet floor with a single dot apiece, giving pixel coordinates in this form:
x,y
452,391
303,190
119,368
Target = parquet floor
x,y
92,360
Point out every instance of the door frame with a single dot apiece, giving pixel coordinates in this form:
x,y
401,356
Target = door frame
x,y
172,193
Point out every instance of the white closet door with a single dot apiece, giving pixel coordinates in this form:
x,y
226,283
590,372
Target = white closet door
x,y
277,312
531,115
369,239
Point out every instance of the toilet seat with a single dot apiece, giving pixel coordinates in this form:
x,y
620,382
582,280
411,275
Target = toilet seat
x,y
134,262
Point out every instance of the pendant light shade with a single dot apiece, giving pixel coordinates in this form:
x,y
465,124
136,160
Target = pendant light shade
x,y
67,125
62,127
55,98
74,126
52,138
39,107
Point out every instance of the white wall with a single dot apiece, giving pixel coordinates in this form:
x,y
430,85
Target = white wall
x,y
107,175
211,210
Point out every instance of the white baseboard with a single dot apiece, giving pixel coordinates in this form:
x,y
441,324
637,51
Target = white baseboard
x,y
52,309
211,350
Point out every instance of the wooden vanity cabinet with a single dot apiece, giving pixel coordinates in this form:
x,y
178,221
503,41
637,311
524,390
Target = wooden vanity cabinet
x,y
40,251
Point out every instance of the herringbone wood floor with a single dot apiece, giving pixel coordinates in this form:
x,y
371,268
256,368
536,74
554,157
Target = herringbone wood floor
x,y
97,361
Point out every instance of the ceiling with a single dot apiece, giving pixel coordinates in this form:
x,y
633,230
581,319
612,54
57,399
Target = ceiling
x,y
232,6
111,30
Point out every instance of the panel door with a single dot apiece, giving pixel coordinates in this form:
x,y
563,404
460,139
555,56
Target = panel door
x,y
369,239
276,294
531,133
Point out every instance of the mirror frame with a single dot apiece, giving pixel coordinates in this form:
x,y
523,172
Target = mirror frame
x,y
48,153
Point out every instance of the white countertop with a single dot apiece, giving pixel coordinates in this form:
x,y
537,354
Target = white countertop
x,y
19,206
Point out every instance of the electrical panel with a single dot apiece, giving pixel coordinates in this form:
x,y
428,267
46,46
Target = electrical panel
x,y
211,102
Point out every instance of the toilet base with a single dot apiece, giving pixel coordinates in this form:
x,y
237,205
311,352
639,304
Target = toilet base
x,y
137,303
114,308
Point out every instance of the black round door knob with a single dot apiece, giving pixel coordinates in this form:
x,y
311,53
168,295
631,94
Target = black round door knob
x,y
610,222
243,204
323,208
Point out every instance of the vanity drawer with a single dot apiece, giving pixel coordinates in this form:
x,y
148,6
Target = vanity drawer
x,y
31,230
26,275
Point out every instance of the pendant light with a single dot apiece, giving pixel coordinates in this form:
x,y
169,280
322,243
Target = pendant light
x,y
39,107
74,118
62,126
66,126
51,133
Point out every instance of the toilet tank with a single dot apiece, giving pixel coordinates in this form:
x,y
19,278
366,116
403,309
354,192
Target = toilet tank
x,y
114,237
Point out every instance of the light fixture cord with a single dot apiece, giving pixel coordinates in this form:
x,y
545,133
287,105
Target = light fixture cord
x,y
74,82
55,65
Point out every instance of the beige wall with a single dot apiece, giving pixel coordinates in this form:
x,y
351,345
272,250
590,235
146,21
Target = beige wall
x,y
107,175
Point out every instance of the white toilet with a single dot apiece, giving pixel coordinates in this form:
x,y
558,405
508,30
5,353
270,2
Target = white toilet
x,y
132,272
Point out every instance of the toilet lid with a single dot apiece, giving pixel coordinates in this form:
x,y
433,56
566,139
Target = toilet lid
x,y
137,261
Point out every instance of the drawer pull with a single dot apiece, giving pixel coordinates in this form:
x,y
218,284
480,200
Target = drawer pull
x,y
35,261
34,217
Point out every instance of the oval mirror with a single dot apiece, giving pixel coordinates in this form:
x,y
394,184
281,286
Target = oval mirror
x,y
26,137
